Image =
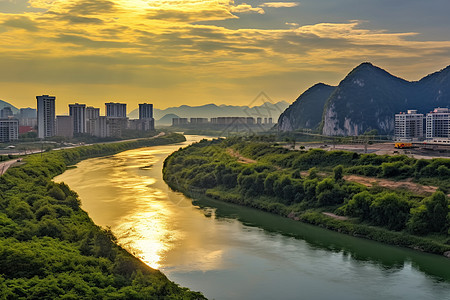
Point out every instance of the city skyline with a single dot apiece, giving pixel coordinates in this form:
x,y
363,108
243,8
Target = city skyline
x,y
198,52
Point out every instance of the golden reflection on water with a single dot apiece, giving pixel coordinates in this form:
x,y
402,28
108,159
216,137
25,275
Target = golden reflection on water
x,y
126,192
144,230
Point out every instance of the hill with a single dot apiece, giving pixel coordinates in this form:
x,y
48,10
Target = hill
x,y
266,109
368,98
166,120
306,111
4,104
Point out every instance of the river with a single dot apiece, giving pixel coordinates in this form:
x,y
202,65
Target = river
x,y
233,252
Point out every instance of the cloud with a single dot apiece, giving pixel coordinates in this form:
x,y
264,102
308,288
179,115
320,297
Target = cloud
x,y
174,15
291,24
140,43
90,43
246,8
279,4
21,22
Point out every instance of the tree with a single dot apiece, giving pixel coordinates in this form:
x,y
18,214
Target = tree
x,y
431,215
313,173
390,210
338,173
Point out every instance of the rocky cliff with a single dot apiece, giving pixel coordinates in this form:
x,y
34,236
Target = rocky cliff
x,y
306,112
367,98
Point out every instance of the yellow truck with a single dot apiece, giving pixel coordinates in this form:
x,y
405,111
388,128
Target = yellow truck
x,y
403,145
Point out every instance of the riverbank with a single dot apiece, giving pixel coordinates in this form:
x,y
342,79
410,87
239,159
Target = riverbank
x,y
271,179
50,248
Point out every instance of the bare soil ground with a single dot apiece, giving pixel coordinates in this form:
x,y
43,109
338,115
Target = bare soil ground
x,y
241,159
383,148
390,184
335,216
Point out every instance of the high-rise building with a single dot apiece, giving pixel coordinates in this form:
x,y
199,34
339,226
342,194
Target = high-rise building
x,y
409,126
78,113
145,111
100,127
92,114
438,125
64,126
46,116
9,130
27,117
116,110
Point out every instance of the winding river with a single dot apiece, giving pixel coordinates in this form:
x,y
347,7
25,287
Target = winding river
x,y
232,252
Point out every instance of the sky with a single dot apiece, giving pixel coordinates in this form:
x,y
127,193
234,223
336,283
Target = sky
x,y
194,52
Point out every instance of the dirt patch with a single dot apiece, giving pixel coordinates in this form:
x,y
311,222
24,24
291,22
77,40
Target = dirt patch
x,y
404,184
241,159
331,215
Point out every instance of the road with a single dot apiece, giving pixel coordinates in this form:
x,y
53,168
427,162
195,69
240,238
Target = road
x,y
4,166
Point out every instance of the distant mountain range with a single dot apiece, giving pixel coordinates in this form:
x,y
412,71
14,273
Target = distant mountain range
x,y
4,104
367,98
267,109
166,120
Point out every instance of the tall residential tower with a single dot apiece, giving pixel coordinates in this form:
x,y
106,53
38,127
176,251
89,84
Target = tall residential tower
x,y
116,110
78,113
145,111
46,116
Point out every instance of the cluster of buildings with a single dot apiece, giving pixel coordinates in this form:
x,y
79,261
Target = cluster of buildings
x,y
434,127
82,119
222,121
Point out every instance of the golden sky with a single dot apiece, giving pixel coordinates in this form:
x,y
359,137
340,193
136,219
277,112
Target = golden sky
x,y
173,52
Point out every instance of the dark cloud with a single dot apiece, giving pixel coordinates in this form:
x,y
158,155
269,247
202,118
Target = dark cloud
x,y
21,22
292,43
87,42
211,46
83,20
208,33
91,7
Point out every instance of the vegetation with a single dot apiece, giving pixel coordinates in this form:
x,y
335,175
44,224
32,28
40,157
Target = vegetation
x,y
29,141
51,249
302,184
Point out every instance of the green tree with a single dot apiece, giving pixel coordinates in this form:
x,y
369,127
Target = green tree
x,y
338,172
359,205
390,210
431,215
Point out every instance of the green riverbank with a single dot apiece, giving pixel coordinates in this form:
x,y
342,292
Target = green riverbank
x,y
263,175
51,249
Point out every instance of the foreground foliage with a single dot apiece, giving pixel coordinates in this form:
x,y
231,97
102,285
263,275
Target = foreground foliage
x,y
51,249
301,184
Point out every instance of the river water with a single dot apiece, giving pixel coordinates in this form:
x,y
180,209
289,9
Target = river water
x,y
233,252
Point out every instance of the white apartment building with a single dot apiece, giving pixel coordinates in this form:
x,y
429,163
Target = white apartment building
x,y
92,114
409,126
9,130
46,116
78,113
438,126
